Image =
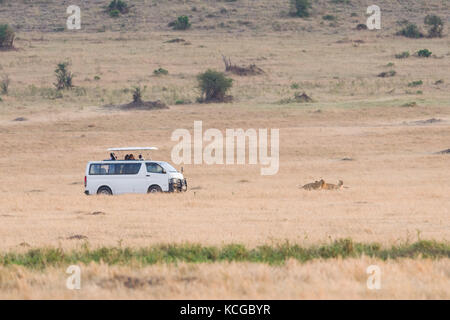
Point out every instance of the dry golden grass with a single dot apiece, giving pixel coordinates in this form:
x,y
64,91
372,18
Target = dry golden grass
x,y
396,188
334,279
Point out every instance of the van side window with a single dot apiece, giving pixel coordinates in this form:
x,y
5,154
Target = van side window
x,y
99,169
131,168
154,168
114,169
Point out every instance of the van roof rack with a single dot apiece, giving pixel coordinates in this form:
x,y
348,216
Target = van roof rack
x,y
133,149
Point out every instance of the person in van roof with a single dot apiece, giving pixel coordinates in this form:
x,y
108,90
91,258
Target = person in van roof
x,y
127,157
131,157
112,156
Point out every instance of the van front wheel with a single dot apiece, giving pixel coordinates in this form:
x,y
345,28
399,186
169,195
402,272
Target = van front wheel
x,y
104,191
154,189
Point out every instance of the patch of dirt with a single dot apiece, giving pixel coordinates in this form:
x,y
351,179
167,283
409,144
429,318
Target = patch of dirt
x,y
35,191
97,213
302,97
425,122
387,74
347,40
251,70
361,26
144,105
187,279
130,282
77,237
19,119
176,40
410,104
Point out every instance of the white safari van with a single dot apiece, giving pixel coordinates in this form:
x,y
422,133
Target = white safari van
x,y
130,175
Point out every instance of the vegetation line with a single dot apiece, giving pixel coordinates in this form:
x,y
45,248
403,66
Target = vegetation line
x,y
195,253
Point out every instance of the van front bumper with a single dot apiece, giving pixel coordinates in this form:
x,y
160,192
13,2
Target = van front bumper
x,y
179,185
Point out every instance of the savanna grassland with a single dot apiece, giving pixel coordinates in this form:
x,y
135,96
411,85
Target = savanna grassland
x,y
234,234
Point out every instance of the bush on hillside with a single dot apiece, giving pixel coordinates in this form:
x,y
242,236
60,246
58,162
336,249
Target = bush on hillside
x,y
301,7
435,26
424,53
182,23
410,31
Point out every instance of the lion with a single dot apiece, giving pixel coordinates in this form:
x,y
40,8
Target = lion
x,y
314,185
330,186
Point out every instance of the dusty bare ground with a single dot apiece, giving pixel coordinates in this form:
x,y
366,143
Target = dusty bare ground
x,y
396,186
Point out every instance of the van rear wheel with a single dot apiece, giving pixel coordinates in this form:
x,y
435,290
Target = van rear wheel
x,y
154,189
105,191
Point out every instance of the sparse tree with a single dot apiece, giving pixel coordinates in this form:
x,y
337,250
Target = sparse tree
x,y
137,94
64,77
4,84
7,37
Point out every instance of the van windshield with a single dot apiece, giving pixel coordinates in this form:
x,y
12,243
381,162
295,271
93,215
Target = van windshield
x,y
168,167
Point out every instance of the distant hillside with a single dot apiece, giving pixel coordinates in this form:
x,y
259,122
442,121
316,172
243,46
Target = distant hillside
x,y
220,16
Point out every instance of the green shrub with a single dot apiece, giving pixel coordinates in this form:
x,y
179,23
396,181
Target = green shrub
x,y
160,71
114,13
415,83
403,55
118,5
64,77
329,17
301,7
424,53
214,85
435,26
410,31
7,36
182,23
4,84
182,101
